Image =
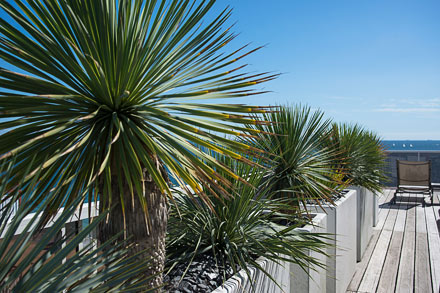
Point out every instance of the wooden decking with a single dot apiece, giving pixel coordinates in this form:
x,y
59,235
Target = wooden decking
x,y
404,252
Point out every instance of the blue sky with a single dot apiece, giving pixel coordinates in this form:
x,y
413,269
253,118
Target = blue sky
x,y
372,62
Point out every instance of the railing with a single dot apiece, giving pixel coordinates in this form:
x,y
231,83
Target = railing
x,y
14,206
411,155
80,214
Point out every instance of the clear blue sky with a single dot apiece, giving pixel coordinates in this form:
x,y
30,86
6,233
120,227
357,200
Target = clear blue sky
x,y
375,62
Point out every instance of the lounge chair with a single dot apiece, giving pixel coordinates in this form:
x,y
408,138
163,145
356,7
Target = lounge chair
x,y
414,177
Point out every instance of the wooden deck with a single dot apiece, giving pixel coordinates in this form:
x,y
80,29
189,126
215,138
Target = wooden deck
x,y
404,252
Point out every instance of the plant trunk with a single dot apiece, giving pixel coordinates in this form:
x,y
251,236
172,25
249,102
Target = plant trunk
x,y
150,239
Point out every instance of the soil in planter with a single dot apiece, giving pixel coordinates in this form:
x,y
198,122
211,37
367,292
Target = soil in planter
x,y
203,275
334,196
288,223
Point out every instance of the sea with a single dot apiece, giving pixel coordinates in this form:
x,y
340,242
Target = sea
x,y
411,145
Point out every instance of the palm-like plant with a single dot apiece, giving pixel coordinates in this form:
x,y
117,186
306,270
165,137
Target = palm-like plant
x,y
300,168
33,259
361,156
101,91
239,229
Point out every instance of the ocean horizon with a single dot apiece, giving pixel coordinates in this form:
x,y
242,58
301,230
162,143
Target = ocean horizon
x,y
411,145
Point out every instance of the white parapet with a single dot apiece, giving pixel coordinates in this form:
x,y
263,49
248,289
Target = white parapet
x,y
81,213
341,221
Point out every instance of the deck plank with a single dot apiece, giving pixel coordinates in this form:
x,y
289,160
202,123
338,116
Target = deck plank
x,y
434,246
422,276
374,268
383,198
372,274
404,252
388,277
383,212
362,265
405,275
436,197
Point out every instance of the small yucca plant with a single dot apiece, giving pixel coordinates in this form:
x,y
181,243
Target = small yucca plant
x,y
299,165
361,157
239,229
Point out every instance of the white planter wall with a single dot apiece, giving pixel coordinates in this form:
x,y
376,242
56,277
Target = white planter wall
x,y
365,219
290,277
241,283
341,222
314,280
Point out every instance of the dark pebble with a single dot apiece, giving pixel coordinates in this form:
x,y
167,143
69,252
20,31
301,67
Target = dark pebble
x,y
203,287
202,276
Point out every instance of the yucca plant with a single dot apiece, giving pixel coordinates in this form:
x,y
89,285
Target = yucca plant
x,y
33,258
106,93
300,167
361,155
239,229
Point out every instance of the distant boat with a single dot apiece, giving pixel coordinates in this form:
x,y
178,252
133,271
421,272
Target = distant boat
x,y
412,145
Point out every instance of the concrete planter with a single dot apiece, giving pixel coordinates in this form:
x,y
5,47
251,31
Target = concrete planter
x,y
340,221
258,281
364,219
290,277
314,280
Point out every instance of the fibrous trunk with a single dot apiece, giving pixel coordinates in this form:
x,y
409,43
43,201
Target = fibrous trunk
x,y
149,238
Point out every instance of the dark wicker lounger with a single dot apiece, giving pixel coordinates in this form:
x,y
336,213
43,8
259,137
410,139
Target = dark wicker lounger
x,y
414,177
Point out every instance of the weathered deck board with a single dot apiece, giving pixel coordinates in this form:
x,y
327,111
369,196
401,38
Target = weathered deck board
x,y
383,213
362,265
384,198
434,246
422,278
374,268
404,252
434,243
388,277
405,276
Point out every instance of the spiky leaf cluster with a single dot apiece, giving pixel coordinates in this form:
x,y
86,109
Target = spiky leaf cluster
x,y
300,166
361,155
107,89
239,229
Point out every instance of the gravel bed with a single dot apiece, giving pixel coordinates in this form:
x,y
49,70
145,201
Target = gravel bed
x,y
203,275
